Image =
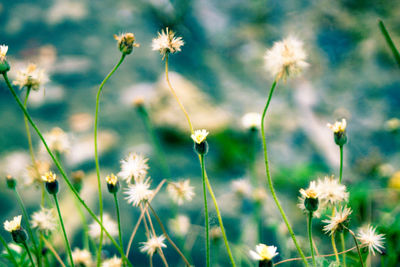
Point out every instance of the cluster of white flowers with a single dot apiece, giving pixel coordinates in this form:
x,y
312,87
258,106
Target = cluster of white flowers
x,y
181,191
45,220
32,77
82,257
134,168
139,192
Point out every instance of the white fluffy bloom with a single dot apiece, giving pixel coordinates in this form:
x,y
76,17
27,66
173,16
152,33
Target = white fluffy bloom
x,y
180,225
110,225
31,77
138,192
45,220
285,58
331,191
82,257
241,187
134,168
338,221
199,136
338,126
154,243
368,236
251,120
112,262
3,53
263,252
57,140
14,224
181,191
166,42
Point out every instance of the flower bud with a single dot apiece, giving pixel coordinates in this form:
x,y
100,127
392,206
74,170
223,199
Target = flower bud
x,y
265,263
19,236
340,138
311,204
202,148
126,42
339,132
200,143
112,183
4,67
11,182
77,178
51,183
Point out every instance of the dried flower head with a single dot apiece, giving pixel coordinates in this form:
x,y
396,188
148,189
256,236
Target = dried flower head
x,y
338,221
112,179
181,191
32,77
285,58
44,220
126,42
338,126
179,225
367,236
57,140
112,262
251,121
3,53
154,243
167,43
36,171
331,191
138,192
199,136
263,252
14,224
241,187
49,177
134,168
110,225
82,257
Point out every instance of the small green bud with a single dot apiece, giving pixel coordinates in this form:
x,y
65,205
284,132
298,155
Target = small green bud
x,y
311,204
340,138
11,182
52,187
202,148
4,67
265,263
112,183
19,235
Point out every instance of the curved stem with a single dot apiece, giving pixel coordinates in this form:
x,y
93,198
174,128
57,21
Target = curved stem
x,y
160,251
310,216
341,165
63,229
12,258
96,156
334,247
29,253
118,220
206,222
51,248
343,248
61,170
358,248
176,97
28,132
271,186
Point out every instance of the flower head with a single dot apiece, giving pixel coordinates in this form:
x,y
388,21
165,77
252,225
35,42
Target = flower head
x,y
44,220
338,221
368,236
32,77
49,177
37,170
3,53
82,257
112,262
181,191
134,168
263,252
138,192
14,224
331,191
110,225
308,201
126,42
251,120
285,58
199,136
167,43
112,179
241,187
57,140
338,126
154,243
179,225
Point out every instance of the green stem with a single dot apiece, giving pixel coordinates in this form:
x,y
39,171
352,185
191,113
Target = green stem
x,y
271,186
310,216
63,229
118,220
29,253
30,232
28,132
343,248
389,42
341,165
61,170
96,157
12,258
206,222
358,248
84,225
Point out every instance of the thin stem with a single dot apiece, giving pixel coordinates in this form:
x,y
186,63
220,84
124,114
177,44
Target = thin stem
x,y
51,248
96,156
118,220
63,229
12,258
358,248
155,235
176,97
28,133
206,222
84,225
29,253
334,247
341,165
310,216
389,42
343,248
30,232
167,236
271,186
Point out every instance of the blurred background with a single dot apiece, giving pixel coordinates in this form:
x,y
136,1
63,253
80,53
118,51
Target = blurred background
x,y
219,76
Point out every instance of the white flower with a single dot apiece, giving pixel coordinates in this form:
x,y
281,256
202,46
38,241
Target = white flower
x,y
331,191
181,191
241,187
134,168
44,220
368,236
166,42
110,225
180,225
199,136
57,140
139,192
82,257
111,179
338,221
31,77
36,171
154,243
285,58
112,262
311,192
14,224
49,177
251,120
263,252
3,53
338,126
